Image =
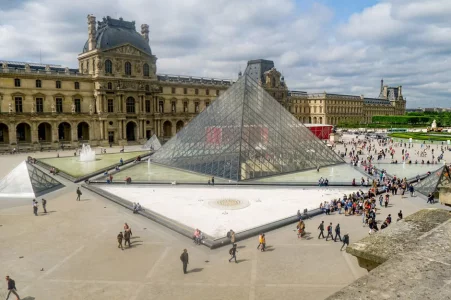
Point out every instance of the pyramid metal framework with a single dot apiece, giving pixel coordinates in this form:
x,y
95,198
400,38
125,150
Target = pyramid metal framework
x,y
436,180
41,182
27,181
152,144
245,134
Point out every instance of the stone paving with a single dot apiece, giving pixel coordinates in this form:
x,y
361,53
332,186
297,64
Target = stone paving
x,y
71,253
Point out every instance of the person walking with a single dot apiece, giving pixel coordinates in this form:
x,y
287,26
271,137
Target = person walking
x,y
263,248
260,239
128,228
412,190
233,252
79,193
127,238
11,288
301,228
44,204
184,258
321,229
35,207
120,237
329,232
213,181
337,232
345,241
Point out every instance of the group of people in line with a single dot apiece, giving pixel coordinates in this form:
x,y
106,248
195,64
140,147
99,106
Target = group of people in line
x,y
126,236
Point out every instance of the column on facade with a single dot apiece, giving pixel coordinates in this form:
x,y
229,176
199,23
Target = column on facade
x,y
124,109
101,130
74,131
117,103
138,105
91,131
119,130
99,103
174,128
124,133
105,103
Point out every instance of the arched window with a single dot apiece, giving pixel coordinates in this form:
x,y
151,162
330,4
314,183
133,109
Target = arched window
x,y
108,67
146,70
110,86
130,104
128,68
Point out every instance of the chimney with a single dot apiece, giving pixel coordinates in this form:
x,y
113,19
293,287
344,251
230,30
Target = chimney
x,y
400,92
145,32
382,84
91,32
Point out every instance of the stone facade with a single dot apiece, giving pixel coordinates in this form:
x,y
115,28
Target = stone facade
x,y
115,96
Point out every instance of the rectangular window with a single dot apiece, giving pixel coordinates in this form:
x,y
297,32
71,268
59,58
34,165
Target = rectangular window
x,y
217,92
173,107
110,105
196,107
207,92
17,82
196,91
58,84
59,105
207,104
147,106
38,83
160,106
18,102
77,85
185,91
173,90
185,106
77,103
39,105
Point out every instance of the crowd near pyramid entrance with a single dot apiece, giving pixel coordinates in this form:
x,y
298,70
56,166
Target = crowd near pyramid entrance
x,y
245,134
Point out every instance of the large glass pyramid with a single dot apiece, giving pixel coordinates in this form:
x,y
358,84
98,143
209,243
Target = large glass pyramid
x,y
436,180
27,181
245,134
152,144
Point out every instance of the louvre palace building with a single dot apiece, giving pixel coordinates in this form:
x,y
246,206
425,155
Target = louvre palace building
x,y
117,97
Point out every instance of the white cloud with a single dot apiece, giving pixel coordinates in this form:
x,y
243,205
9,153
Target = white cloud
x,y
406,42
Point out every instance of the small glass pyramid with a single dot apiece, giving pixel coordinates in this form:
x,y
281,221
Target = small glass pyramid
x,y
152,144
245,134
436,180
27,181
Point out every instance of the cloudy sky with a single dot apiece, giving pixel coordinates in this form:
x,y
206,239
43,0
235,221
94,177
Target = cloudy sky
x,y
337,46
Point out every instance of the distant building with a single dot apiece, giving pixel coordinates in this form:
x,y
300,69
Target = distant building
x,y
116,96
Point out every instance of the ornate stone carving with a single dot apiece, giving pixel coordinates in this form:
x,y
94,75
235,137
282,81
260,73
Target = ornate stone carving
x,y
66,70
47,68
73,108
33,108
53,108
118,64
10,108
138,67
90,109
119,85
99,64
27,68
5,65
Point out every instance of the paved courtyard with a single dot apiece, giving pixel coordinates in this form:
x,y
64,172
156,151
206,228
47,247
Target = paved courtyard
x,y
71,253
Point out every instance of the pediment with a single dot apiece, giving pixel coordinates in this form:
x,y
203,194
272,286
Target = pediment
x,y
127,49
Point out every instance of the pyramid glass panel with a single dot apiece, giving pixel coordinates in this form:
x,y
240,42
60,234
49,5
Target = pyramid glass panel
x,y
153,143
430,183
41,182
245,134
17,184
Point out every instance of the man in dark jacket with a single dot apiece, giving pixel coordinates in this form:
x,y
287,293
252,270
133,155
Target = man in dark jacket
x,y
127,238
337,232
184,259
120,237
233,252
321,229
78,194
44,204
329,232
345,241
11,288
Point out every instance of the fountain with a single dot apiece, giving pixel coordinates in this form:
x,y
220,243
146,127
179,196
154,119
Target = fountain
x,y
87,154
148,166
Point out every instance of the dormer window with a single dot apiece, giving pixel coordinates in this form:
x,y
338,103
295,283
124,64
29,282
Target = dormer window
x,y
146,70
108,67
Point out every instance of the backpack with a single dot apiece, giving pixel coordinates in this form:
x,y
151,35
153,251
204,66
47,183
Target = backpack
x,y
328,228
231,251
228,234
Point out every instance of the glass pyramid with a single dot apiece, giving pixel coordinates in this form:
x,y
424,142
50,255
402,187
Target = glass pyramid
x,y
152,144
41,182
26,181
245,134
436,180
